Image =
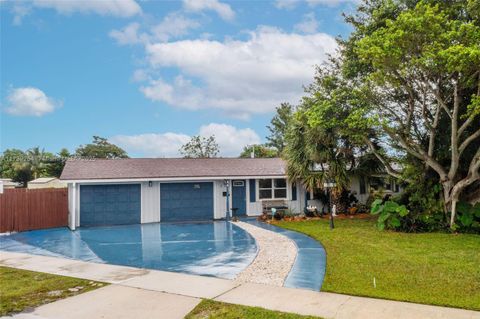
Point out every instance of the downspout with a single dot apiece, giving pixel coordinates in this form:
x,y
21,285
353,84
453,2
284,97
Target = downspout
x,y
73,214
227,213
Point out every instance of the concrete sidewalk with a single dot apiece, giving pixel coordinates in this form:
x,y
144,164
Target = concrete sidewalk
x,y
141,293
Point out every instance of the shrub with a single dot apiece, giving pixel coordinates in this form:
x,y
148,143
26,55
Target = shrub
x,y
374,195
468,218
389,213
309,213
278,214
348,198
290,213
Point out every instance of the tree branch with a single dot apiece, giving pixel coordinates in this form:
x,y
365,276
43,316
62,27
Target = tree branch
x,y
420,154
471,118
386,164
433,132
468,140
440,100
454,161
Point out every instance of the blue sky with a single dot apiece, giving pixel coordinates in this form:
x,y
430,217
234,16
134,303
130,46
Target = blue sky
x,y
150,74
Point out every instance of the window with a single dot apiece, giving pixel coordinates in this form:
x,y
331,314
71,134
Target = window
x,y
272,188
363,185
238,183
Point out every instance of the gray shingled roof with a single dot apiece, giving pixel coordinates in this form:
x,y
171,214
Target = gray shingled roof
x,y
144,168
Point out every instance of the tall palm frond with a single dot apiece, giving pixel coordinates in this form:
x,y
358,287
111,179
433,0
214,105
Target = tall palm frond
x,y
36,160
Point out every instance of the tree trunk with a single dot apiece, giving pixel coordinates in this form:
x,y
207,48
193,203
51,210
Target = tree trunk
x,y
337,201
454,211
450,201
447,199
451,192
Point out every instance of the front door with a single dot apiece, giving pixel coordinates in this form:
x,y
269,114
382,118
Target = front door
x,y
239,197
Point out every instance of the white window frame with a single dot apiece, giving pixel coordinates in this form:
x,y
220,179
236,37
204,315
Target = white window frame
x,y
273,188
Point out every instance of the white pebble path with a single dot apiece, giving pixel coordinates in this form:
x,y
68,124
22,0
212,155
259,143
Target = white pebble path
x,y
275,258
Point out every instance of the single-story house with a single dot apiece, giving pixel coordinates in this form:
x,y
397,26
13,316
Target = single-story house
x,y
145,190
46,182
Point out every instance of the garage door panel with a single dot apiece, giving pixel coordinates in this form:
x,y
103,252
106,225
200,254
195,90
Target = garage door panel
x,y
117,204
186,201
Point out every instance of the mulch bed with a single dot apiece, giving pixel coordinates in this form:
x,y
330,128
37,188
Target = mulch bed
x,y
325,217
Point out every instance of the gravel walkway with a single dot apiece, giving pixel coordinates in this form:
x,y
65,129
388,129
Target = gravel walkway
x,y
275,257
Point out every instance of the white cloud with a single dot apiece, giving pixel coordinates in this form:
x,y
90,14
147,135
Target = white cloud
x,y
140,75
309,24
152,145
20,10
30,101
222,9
286,4
290,4
128,35
174,25
331,3
230,139
118,8
239,77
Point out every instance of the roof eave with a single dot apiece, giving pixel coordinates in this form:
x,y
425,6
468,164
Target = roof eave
x,y
167,179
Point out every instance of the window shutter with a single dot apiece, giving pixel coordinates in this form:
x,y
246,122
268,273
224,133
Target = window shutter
x,y
294,191
253,191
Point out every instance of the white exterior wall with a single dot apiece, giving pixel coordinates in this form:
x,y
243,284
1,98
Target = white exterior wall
x,y
296,206
54,183
255,208
355,188
150,199
219,201
73,206
150,202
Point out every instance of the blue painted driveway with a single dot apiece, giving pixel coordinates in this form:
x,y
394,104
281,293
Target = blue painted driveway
x,y
217,249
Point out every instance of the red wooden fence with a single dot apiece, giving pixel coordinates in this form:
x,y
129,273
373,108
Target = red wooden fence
x,y
27,209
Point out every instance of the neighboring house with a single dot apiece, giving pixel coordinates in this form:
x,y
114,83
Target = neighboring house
x,y
7,183
46,182
144,190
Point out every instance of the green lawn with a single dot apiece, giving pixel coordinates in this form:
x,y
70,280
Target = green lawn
x,y
430,268
213,309
21,289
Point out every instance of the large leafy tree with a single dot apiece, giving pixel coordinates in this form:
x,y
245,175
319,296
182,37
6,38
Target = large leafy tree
x,y
407,85
278,127
100,148
424,83
24,166
56,163
14,165
8,160
319,146
260,150
200,147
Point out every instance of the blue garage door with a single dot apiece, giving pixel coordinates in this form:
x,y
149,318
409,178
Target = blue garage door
x,y
117,204
186,202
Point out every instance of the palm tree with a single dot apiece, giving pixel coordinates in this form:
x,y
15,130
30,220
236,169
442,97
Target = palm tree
x,y
316,155
35,159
